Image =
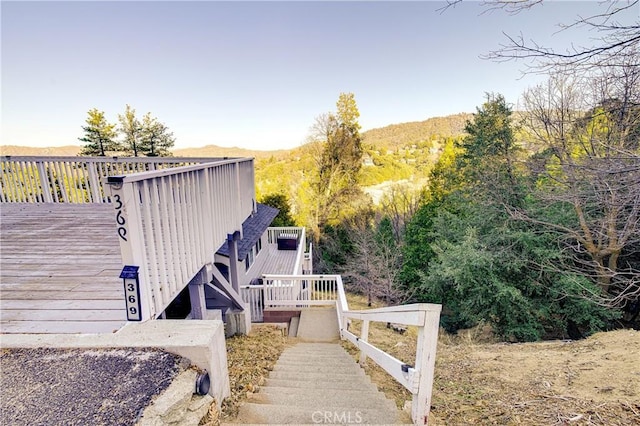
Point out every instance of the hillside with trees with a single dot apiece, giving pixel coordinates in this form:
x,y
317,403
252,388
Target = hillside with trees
x,y
398,136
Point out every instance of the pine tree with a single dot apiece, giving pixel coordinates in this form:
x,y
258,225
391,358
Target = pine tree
x,y
130,128
155,138
99,135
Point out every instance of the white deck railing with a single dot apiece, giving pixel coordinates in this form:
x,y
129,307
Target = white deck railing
x,y
32,179
307,290
171,222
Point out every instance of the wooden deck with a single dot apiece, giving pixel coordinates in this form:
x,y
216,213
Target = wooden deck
x,y
59,269
279,262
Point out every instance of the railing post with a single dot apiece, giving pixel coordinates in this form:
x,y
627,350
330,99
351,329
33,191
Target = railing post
x,y
364,336
196,293
425,363
125,199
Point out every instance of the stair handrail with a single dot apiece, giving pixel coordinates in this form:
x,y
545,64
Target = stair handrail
x,y
418,379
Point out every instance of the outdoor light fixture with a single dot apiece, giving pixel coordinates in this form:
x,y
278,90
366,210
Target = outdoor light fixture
x,y
203,383
129,277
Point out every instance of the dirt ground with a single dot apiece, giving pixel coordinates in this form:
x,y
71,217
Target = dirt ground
x,y
595,381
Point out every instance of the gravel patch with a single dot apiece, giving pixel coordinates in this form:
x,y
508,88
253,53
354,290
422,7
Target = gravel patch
x,y
82,386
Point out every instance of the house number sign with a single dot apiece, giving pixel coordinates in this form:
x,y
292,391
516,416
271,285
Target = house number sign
x,y
129,275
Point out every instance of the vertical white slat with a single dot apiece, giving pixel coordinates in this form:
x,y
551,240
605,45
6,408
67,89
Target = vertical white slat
x,y
53,177
17,185
95,189
26,182
150,245
47,197
62,181
6,184
198,219
34,173
176,246
184,222
77,181
191,223
14,183
170,256
207,211
70,182
85,181
30,177
180,208
22,193
162,267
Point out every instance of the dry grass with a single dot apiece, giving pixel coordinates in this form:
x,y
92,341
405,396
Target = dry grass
x,y
250,359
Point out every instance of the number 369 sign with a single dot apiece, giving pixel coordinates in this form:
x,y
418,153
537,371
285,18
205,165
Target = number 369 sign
x,y
131,292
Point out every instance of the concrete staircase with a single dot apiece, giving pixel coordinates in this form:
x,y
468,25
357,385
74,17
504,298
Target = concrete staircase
x,y
319,383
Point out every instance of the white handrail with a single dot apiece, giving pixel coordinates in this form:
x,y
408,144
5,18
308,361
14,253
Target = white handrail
x,y
171,222
417,379
41,179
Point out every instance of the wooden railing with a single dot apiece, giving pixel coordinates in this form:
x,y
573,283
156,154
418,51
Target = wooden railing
x,y
31,179
307,290
417,378
171,222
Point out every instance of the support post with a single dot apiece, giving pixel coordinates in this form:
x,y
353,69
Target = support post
x,y
232,243
196,294
364,336
425,363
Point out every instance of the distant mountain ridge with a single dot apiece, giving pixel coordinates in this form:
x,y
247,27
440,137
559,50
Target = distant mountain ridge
x,y
392,136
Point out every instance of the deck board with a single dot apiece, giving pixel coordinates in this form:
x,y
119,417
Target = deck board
x,y
59,269
279,262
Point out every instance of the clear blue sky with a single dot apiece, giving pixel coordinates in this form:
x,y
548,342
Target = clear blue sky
x,y
255,74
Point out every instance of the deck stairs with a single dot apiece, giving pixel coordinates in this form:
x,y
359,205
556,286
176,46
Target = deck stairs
x,y
317,382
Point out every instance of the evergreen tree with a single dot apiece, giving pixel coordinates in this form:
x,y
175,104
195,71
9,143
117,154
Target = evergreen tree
x,y
131,129
99,135
155,137
280,202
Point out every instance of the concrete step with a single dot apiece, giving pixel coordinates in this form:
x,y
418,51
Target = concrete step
x,y
325,397
319,325
287,414
351,368
313,356
320,350
320,377
306,384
